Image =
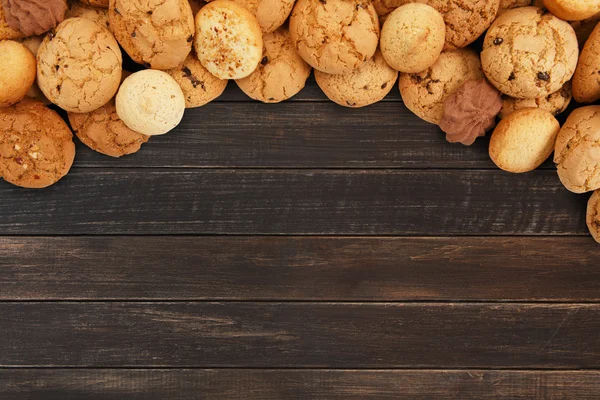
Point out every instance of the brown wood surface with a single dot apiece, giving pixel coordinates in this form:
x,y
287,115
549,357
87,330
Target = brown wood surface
x,y
299,268
235,384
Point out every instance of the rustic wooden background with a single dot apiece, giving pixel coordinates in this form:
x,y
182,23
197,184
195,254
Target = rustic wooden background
x,y
298,251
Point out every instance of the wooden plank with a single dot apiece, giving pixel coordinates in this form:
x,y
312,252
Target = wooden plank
x,y
299,268
236,384
319,335
292,135
331,202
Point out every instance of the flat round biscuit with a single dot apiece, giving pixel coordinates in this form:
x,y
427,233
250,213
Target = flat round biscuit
x,y
529,53
79,65
281,74
270,14
228,40
573,10
554,103
17,72
103,131
366,85
335,36
586,81
36,145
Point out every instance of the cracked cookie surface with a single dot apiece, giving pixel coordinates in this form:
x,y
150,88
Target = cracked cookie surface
x,y
335,36
198,85
271,14
529,53
103,131
79,65
17,72
577,150
281,73
586,81
592,217
36,145
424,93
155,33
228,40
366,85
554,103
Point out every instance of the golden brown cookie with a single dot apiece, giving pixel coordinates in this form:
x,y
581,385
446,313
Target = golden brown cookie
x,y
586,81
384,7
366,85
271,14
413,37
529,53
36,145
6,32
17,72
228,40
33,44
577,151
198,85
593,215
79,66
554,103
573,10
524,140
103,131
424,93
96,14
281,74
96,3
157,35
335,36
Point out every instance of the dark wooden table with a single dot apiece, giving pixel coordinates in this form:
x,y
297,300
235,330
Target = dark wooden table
x,y
298,251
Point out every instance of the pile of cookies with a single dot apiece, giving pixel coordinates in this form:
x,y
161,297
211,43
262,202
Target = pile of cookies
x,y
534,56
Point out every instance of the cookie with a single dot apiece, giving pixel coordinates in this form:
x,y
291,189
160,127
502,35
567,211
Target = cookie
x,y
79,66
586,81
17,72
198,85
34,17
96,3
155,34
509,4
528,53
573,10
335,36
103,131
271,14
6,32
554,103
424,93
583,29
592,217
413,37
281,74
150,102
96,14
221,27
383,8
577,151
36,145
524,140
33,43
366,85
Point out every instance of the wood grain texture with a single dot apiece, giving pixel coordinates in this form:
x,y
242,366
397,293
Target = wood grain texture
x,y
299,268
235,384
320,335
305,202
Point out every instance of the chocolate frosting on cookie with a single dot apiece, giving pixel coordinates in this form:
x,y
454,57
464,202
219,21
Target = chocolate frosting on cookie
x,y
470,111
34,17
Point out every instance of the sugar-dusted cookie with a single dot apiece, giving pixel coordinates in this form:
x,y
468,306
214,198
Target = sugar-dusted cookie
x,y
413,37
335,36
281,74
577,151
198,85
592,218
79,66
150,102
529,53
366,85
554,103
17,72
96,14
271,14
6,32
221,27
36,145
103,131
96,3
586,81
157,34
424,93
34,17
573,10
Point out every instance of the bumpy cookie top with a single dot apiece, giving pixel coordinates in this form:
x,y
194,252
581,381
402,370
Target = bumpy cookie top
x,y
335,36
79,66
529,53
470,112
36,146
554,103
271,14
34,17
